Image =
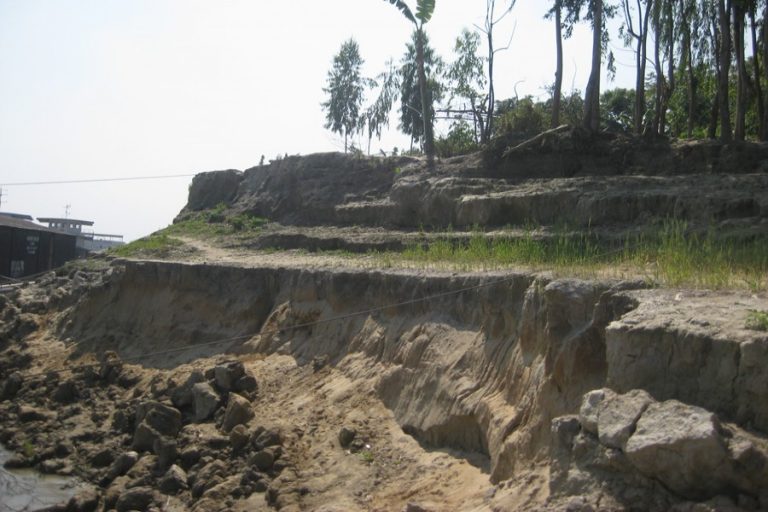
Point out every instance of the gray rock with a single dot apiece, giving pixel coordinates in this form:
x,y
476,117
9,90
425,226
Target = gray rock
x,y
29,414
182,395
238,438
680,446
228,374
205,401
86,500
590,407
268,437
263,459
346,436
66,392
166,452
174,480
238,412
618,416
11,386
122,464
144,437
246,384
136,498
163,418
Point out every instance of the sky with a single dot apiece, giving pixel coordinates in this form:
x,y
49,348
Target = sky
x,y
116,88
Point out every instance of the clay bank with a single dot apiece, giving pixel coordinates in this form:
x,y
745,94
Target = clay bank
x,y
259,384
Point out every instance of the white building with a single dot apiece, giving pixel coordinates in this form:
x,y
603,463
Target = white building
x,y
87,241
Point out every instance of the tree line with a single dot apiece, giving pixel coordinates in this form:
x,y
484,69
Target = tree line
x,y
701,68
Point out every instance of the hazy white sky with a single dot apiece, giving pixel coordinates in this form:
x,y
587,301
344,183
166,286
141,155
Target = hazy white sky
x,y
116,88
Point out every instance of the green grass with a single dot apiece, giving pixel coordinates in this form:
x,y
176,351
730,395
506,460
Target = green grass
x,y
757,320
156,244
207,224
671,256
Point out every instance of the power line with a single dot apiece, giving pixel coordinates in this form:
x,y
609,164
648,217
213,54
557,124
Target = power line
x,y
96,180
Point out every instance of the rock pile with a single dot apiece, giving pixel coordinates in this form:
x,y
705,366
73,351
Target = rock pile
x,y
652,454
141,445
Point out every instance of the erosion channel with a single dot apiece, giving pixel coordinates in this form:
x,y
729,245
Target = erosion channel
x,y
218,376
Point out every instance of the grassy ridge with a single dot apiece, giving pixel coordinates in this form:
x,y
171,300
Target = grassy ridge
x,y
672,256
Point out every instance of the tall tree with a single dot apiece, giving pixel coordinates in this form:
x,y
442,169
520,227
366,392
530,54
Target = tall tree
x,y
724,57
467,76
738,10
424,11
751,9
491,20
346,87
592,94
412,110
637,30
376,116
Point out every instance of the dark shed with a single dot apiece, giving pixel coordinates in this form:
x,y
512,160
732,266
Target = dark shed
x,y
27,248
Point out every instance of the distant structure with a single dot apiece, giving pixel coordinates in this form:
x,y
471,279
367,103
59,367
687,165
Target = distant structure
x,y
27,248
87,241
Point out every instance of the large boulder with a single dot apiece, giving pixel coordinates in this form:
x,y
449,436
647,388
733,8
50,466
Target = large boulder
x,y
681,446
238,412
205,400
209,189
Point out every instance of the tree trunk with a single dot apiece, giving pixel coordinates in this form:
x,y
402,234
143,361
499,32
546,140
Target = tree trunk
x,y
741,68
765,61
669,90
725,66
491,91
691,78
641,54
426,120
659,93
758,79
558,90
592,94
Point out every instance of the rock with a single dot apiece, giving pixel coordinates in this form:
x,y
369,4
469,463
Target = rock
x,y
122,464
166,452
590,406
11,386
238,412
263,459
208,189
346,436
238,438
66,392
144,437
618,416
182,396
174,480
86,500
414,507
268,437
246,384
163,418
680,446
102,458
226,375
29,414
136,498
111,367
205,401
189,456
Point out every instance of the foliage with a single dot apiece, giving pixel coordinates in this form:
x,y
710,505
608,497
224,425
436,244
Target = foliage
x,y
345,89
523,117
460,140
410,96
617,107
467,79
757,320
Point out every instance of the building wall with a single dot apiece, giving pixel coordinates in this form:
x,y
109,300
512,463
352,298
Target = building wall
x,y
25,252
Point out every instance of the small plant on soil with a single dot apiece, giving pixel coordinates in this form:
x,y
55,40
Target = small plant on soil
x,y
757,320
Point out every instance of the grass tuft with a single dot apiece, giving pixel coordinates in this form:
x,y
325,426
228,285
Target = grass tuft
x,y
757,320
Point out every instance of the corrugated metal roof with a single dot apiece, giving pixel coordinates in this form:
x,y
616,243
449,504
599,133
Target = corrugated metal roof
x,y
66,220
25,224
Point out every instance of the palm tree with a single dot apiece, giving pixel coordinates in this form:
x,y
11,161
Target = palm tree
x,y
424,11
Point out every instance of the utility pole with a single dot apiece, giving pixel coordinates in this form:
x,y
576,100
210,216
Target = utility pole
x,y
67,207
1,197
